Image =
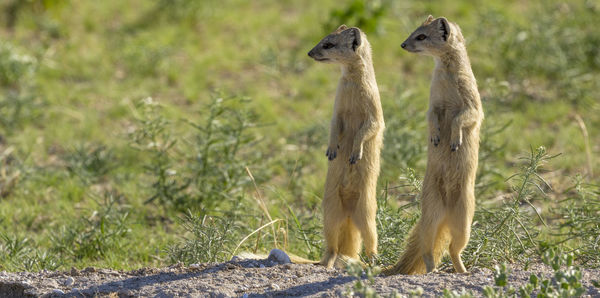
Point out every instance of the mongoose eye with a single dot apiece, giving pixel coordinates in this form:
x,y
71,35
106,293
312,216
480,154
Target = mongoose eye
x,y
421,37
328,45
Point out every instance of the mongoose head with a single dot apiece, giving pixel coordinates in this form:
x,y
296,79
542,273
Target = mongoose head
x,y
342,46
434,37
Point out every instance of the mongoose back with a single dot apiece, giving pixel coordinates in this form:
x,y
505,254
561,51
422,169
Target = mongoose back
x,y
356,137
454,117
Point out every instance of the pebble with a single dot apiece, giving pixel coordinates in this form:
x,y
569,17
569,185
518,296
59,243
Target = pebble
x,y
261,266
89,269
58,292
275,287
279,256
245,295
69,281
195,266
125,293
74,271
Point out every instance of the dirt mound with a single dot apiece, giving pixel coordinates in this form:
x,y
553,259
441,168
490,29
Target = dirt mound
x,y
247,278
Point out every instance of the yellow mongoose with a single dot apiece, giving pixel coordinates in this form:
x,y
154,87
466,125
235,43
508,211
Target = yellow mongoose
x,y
454,116
356,137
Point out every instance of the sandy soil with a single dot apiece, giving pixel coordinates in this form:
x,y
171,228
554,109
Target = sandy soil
x,y
245,278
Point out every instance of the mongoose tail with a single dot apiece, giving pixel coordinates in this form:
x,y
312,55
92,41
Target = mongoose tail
x,y
300,260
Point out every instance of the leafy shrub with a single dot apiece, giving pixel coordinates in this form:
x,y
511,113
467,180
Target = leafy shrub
x,y
509,232
95,234
360,13
579,223
204,170
211,240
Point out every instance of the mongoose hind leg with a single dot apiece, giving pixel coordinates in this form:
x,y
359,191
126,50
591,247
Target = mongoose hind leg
x,y
431,232
349,240
364,219
460,232
333,220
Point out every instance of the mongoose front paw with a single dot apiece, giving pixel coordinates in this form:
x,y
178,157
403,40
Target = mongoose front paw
x,y
331,152
454,146
355,156
435,139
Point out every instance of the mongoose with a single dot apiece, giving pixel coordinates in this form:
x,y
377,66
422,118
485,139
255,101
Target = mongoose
x,y
454,117
356,137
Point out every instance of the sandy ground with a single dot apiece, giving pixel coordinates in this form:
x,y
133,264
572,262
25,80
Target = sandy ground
x,y
246,278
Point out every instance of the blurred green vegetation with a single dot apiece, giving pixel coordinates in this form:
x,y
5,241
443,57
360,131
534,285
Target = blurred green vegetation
x,y
141,133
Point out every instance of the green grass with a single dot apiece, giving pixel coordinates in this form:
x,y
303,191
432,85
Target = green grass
x,y
126,128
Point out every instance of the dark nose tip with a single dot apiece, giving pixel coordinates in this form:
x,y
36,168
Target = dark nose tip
x,y
403,45
310,54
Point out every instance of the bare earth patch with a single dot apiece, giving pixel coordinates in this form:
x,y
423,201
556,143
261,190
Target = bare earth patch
x,y
250,278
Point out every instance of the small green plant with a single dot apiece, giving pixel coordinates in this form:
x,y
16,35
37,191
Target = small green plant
x,y
13,247
16,253
455,294
360,287
579,223
96,233
90,162
19,101
361,13
9,171
394,223
566,280
211,239
153,136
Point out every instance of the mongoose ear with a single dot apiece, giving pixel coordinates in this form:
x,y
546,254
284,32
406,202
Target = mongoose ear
x,y
428,20
341,28
444,28
357,38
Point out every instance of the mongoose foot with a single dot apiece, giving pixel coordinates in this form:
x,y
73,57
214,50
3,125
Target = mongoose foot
x,y
331,153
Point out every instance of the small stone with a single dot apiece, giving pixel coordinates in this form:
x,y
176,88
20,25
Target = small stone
x,y
245,295
89,269
194,266
125,293
287,266
261,266
58,292
275,287
279,256
69,281
74,271
235,259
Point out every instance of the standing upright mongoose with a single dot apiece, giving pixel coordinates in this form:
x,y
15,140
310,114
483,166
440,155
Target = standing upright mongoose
x,y
454,116
356,137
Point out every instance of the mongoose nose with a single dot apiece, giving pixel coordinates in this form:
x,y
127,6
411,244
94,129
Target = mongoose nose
x,y
310,53
403,45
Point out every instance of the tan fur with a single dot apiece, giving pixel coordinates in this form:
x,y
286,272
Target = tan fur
x,y
356,137
455,115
